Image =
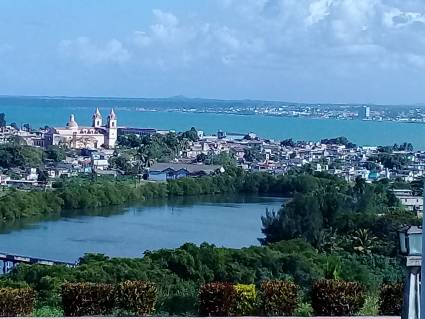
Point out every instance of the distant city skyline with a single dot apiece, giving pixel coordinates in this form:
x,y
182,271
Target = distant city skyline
x,y
306,51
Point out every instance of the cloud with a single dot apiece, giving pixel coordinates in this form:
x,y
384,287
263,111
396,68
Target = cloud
x,y
291,34
85,50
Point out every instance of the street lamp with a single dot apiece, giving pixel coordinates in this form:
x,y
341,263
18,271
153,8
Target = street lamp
x,y
411,246
411,241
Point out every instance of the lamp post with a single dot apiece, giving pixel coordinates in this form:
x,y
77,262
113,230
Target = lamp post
x,y
422,303
411,246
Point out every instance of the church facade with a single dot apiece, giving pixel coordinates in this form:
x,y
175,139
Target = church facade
x,y
95,136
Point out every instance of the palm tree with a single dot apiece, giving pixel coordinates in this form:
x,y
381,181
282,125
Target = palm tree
x,y
364,242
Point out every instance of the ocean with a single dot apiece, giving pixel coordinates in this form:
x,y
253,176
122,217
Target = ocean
x,y
39,112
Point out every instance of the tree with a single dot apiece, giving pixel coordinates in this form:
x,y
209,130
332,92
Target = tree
x,y
201,158
251,154
43,176
363,242
191,135
288,142
300,218
55,153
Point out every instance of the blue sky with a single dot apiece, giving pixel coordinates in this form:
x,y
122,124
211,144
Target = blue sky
x,y
370,51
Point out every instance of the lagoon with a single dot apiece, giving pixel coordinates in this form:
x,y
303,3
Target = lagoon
x,y
228,221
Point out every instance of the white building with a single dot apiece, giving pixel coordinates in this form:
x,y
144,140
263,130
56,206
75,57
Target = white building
x,y
95,136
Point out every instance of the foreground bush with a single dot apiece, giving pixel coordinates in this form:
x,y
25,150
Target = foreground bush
x,y
337,298
87,299
16,302
245,300
216,299
279,298
391,299
138,297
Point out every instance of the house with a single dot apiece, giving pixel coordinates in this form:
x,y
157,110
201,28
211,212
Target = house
x,y
170,171
412,203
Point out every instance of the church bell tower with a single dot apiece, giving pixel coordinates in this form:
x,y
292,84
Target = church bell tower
x,y
97,118
112,129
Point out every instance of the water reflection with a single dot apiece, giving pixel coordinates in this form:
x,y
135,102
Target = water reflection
x,y
230,221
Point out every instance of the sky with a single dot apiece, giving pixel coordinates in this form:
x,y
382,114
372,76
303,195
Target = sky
x,y
336,51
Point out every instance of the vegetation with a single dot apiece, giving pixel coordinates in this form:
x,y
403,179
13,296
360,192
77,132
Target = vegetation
x,y
87,299
245,300
333,215
339,141
137,297
16,155
329,230
16,302
217,299
337,298
279,298
391,299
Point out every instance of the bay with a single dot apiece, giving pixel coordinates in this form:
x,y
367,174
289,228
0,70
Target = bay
x,y
228,221
55,112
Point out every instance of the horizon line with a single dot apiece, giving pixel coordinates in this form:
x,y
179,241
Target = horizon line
x,y
206,98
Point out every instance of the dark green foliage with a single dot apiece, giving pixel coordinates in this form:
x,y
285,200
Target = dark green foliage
x,y
191,135
87,299
18,204
339,141
391,299
16,302
216,299
55,153
178,273
337,298
138,297
15,155
279,298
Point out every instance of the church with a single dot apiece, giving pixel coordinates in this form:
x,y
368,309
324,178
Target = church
x,y
78,137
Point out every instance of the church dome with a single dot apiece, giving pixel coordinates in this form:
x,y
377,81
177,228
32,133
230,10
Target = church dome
x,y
72,123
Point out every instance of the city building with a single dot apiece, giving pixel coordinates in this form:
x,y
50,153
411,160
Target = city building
x,y
78,137
365,112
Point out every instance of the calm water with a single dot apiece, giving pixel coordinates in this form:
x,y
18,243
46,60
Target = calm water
x,y
233,221
51,112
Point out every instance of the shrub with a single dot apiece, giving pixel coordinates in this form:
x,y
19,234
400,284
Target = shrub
x,y
279,298
87,299
16,302
47,311
391,299
216,299
303,310
370,307
337,298
138,297
245,299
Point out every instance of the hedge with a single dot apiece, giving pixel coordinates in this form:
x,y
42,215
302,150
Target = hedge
x,y
245,300
16,301
337,298
87,299
279,298
138,297
391,299
216,299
